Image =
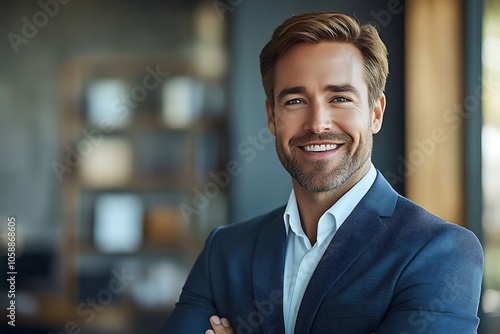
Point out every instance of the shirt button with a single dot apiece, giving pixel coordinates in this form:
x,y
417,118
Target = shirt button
x,y
309,258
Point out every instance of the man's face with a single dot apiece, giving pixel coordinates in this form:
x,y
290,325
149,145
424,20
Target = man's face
x,y
322,120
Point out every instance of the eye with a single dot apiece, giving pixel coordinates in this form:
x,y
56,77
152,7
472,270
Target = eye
x,y
340,99
293,101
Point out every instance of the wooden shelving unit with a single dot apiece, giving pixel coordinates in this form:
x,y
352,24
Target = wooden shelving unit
x,y
161,182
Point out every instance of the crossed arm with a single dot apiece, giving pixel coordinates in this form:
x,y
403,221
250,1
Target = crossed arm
x,y
221,326
437,291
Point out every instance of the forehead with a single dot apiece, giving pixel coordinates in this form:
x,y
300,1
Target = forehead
x,y
321,64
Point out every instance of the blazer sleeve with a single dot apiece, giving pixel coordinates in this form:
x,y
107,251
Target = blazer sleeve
x,y
195,306
439,290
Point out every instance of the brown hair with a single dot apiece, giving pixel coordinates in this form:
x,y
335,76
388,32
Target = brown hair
x,y
317,27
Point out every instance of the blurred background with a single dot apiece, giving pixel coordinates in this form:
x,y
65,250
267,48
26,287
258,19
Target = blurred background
x,y
130,129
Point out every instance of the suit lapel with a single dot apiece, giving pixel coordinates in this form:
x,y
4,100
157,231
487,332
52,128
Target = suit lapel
x,y
268,267
360,229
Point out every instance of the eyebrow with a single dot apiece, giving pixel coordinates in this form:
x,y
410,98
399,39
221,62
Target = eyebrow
x,y
290,90
345,88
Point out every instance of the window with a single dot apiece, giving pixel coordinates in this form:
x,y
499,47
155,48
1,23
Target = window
x,y
491,163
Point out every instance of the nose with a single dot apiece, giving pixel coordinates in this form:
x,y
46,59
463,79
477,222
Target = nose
x,y
319,118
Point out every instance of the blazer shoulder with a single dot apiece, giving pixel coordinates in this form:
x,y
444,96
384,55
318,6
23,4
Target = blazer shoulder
x,y
418,220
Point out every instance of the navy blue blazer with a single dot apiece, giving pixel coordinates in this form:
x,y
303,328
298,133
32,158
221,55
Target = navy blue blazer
x,y
392,267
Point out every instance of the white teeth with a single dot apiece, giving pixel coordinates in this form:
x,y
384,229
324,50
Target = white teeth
x,y
320,148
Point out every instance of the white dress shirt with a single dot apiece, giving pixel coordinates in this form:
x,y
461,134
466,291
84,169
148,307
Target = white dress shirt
x,y
302,257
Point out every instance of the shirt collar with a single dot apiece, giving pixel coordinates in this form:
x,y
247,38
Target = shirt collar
x,y
338,211
292,216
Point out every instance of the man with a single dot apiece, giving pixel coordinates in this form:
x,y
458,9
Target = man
x,y
347,254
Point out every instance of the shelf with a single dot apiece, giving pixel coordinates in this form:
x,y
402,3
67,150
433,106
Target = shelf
x,y
136,175
146,183
154,122
177,249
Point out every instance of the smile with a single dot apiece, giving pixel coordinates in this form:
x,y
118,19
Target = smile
x,y
320,148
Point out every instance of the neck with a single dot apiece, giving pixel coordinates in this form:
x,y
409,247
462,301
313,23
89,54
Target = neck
x,y
312,205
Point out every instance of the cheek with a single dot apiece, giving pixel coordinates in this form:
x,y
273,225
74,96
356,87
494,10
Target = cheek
x,y
283,137
356,128
287,125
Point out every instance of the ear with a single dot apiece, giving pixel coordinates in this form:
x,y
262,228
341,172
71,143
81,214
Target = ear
x,y
270,118
378,114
